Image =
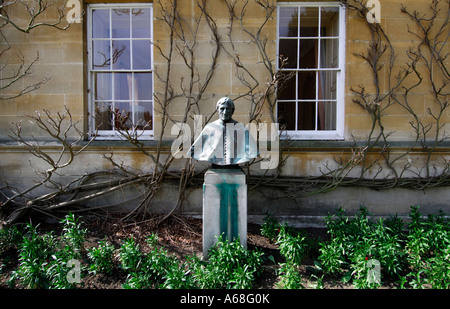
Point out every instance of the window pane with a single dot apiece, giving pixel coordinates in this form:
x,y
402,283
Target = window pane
x,y
286,115
103,86
288,49
309,21
308,102
308,54
123,86
287,90
102,57
100,23
143,86
326,116
329,21
142,57
329,50
306,85
120,19
123,118
103,116
121,43
141,21
327,85
288,22
143,115
306,116
121,55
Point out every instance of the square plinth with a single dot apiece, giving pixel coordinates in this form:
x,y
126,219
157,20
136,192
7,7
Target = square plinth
x,y
224,207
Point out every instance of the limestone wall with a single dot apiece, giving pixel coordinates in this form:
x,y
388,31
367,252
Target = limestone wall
x,y
61,56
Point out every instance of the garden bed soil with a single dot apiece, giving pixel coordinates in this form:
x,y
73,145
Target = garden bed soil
x,y
180,236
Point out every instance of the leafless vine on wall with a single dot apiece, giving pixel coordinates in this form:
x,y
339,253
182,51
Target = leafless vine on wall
x,y
35,17
371,162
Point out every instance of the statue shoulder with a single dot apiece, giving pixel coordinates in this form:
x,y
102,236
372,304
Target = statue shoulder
x,y
211,128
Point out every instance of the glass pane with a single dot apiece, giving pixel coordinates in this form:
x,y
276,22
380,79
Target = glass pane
x,y
121,55
288,23
286,115
308,54
287,90
288,49
327,85
123,86
103,116
306,85
329,21
326,116
102,57
103,86
100,24
306,116
143,86
123,118
143,115
142,57
120,19
309,21
329,49
141,23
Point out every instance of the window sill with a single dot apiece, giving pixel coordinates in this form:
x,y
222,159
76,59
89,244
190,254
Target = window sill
x,y
311,135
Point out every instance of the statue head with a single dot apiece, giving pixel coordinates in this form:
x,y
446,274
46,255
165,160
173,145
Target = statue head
x,y
225,108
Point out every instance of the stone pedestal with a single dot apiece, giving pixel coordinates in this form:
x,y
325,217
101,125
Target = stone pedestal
x,y
224,207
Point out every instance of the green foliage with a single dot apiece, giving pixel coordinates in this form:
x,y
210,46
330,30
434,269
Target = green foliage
x,y
229,265
35,256
421,246
73,236
130,255
157,268
293,247
43,257
102,257
166,268
270,227
363,252
10,237
355,241
290,277
428,248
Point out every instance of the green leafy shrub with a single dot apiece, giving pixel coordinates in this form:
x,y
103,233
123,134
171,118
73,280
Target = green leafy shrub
x,y
9,237
130,255
428,248
163,268
156,268
36,253
43,257
229,265
102,257
355,241
293,247
290,277
73,236
416,254
270,227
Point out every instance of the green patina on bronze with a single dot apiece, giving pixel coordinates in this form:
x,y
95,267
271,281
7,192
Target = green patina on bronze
x,y
228,210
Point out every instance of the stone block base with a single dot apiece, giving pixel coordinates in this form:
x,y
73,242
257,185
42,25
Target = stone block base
x,y
224,207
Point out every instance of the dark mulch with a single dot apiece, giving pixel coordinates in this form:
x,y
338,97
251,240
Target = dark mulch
x,y
181,236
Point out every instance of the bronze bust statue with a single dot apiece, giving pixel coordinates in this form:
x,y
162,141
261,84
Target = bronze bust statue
x,y
224,142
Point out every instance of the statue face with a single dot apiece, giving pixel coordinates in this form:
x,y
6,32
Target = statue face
x,y
225,112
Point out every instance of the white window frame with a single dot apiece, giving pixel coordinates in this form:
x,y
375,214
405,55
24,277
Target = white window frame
x,y
113,134
337,134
